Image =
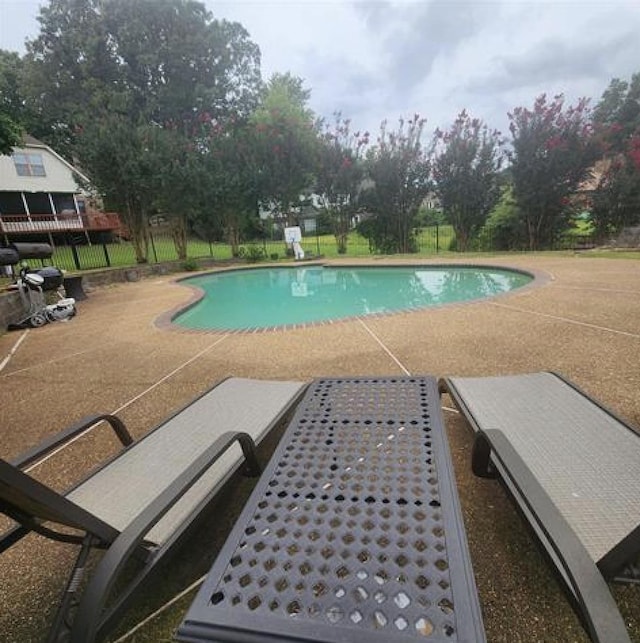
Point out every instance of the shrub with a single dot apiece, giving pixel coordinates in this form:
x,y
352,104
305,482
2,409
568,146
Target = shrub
x,y
190,265
504,228
253,253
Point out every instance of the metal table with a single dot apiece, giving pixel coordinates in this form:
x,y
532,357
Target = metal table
x,y
354,531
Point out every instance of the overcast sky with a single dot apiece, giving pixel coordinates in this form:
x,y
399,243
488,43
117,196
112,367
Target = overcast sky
x,y
377,60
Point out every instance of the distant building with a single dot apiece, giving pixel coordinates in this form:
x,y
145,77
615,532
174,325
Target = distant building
x,y
39,196
305,214
432,202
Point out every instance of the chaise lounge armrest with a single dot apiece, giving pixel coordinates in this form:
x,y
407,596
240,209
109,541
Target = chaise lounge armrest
x,y
587,585
49,445
66,435
88,624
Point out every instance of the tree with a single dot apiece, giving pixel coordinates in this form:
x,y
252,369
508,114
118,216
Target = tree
x,y
10,134
339,176
178,63
124,164
466,161
232,186
398,169
166,60
285,145
616,199
617,114
504,227
11,105
153,70
178,173
553,152
71,71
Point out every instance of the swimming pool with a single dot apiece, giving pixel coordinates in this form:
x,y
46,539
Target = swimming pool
x,y
263,298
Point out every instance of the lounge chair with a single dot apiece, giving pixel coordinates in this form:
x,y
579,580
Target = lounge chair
x,y
573,468
143,500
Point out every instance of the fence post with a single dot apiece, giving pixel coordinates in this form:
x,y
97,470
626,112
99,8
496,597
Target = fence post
x,y
74,252
153,247
106,255
437,238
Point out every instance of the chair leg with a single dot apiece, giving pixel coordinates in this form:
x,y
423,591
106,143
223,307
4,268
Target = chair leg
x,y
62,622
630,574
481,464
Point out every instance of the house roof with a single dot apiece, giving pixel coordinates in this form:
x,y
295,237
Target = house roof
x,y
32,141
54,182
598,170
27,139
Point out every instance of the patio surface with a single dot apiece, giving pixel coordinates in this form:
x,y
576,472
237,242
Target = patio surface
x,y
583,321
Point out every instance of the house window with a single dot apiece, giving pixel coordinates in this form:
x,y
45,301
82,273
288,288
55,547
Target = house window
x,y
38,202
63,201
29,164
11,203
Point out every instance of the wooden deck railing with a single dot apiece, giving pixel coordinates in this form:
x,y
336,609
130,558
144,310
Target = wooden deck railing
x,y
59,222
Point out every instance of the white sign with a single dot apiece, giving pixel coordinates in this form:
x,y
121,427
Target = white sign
x,y
293,235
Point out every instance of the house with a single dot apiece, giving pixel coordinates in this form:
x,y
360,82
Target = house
x,y
305,214
432,202
40,197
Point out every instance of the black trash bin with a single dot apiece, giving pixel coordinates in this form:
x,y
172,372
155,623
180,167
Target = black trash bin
x,y
73,287
52,277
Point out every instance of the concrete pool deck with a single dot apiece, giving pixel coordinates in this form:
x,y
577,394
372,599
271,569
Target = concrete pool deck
x,y
583,322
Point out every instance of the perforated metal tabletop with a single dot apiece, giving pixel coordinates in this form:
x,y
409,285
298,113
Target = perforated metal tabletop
x,y
354,531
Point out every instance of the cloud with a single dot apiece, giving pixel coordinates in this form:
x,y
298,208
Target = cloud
x,y
375,13
436,32
553,60
413,36
350,92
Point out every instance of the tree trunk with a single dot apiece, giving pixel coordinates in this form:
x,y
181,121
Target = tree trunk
x,y
462,240
341,230
233,238
136,221
533,237
179,235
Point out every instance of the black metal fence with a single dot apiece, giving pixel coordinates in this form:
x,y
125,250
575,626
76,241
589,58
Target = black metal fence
x,y
78,254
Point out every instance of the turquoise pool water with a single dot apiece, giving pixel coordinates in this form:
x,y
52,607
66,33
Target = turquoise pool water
x,y
271,297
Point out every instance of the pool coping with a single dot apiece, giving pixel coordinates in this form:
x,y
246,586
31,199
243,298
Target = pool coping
x,y
165,321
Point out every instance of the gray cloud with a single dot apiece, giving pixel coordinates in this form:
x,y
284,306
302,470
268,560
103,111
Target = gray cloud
x,y
352,92
374,12
415,36
553,60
